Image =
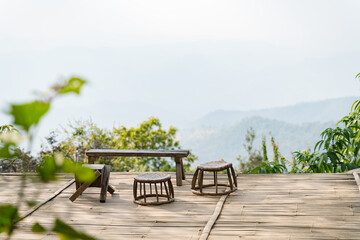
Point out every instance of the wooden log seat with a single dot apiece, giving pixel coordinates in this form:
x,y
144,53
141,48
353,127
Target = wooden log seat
x,y
215,167
102,172
153,185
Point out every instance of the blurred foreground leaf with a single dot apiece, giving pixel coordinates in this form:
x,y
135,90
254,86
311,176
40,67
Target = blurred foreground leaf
x,y
65,232
29,114
7,150
83,174
47,170
31,203
8,218
37,228
73,85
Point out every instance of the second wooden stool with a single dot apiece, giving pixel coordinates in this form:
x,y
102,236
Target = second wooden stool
x,y
215,167
146,181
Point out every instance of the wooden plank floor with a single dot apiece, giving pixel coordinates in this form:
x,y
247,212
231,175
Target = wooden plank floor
x,y
120,218
296,206
34,191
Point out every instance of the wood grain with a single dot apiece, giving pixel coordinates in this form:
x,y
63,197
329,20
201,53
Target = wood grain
x,y
278,206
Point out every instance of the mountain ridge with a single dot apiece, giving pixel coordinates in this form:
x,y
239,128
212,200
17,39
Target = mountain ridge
x,y
305,112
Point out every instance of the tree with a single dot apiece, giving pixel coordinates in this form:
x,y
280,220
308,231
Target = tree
x,y
149,134
254,155
274,166
338,149
264,150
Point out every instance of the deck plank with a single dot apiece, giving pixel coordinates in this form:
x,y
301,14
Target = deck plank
x,y
278,206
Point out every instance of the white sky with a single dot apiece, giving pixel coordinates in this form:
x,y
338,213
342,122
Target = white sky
x,y
194,56
322,24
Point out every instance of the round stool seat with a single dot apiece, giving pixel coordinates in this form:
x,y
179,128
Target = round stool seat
x,y
152,177
154,189
214,166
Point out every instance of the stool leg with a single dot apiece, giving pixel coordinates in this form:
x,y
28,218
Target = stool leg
x,y
140,189
167,192
193,182
150,189
82,188
144,193
157,195
229,178
161,188
105,174
171,188
234,176
201,178
215,181
77,184
135,189
110,189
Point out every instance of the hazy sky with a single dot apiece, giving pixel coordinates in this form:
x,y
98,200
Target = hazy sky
x,y
322,26
178,59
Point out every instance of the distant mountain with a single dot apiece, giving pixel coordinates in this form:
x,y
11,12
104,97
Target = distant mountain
x,y
214,143
221,134
321,111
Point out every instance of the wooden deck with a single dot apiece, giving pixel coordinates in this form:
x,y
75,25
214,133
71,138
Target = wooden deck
x,y
296,206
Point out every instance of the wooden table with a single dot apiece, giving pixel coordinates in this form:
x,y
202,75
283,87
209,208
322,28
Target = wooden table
x,y
178,155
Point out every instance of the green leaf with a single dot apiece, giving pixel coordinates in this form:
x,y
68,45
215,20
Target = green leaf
x,y
8,217
47,170
37,228
73,85
31,203
8,150
83,174
29,114
333,157
66,232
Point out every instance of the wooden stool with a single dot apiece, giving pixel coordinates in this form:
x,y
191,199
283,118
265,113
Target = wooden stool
x,y
215,166
154,179
102,172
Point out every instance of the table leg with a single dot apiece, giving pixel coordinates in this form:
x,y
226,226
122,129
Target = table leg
x,y
105,175
92,159
182,169
178,171
82,188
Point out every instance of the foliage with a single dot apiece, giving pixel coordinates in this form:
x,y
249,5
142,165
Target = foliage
x,y
258,163
8,217
275,147
29,114
83,136
254,155
65,232
268,167
338,149
7,128
26,117
264,150
14,158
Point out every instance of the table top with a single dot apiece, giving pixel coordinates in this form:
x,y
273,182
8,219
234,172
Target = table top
x,y
137,153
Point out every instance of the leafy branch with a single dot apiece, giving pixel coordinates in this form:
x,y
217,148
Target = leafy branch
x,y
26,117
